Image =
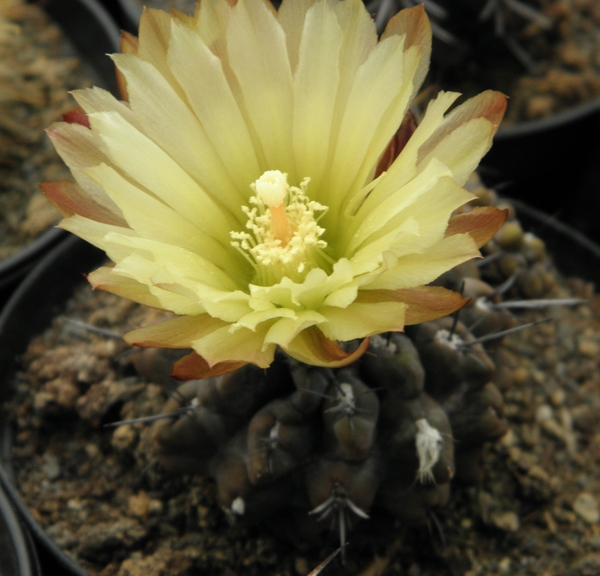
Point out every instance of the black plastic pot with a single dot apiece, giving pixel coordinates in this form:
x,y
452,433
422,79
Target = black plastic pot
x,y
553,165
30,310
91,30
40,297
17,555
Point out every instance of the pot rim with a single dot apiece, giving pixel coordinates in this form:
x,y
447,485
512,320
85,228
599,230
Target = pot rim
x,y
551,122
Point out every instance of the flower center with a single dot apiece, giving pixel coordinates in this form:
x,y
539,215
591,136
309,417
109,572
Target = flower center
x,y
284,238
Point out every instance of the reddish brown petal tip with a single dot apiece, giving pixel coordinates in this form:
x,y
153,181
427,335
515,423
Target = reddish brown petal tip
x,y
194,367
481,223
77,116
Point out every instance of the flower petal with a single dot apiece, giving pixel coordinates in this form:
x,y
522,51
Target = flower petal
x,y
480,223
423,304
265,80
194,367
418,269
363,319
315,90
139,157
104,279
201,76
285,330
414,23
76,116
466,134
311,346
185,139
154,220
69,199
175,333
241,345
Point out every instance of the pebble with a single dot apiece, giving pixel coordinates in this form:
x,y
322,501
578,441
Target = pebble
x,y
554,429
589,348
557,398
51,467
138,504
544,413
504,565
505,521
124,438
586,507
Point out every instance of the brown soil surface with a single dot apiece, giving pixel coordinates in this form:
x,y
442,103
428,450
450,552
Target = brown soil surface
x,y
98,493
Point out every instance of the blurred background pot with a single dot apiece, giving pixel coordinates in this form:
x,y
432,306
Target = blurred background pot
x,y
17,554
92,33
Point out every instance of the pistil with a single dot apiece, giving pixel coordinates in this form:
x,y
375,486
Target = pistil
x,y
272,189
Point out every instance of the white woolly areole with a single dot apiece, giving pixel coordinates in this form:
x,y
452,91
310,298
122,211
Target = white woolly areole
x,y
429,447
271,188
453,341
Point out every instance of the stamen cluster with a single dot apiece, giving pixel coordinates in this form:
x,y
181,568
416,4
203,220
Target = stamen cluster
x,y
272,255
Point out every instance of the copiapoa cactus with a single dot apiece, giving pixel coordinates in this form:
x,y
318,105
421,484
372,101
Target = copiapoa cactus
x,y
264,180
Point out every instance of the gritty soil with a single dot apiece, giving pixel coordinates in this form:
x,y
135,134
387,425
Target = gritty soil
x,y
37,69
98,492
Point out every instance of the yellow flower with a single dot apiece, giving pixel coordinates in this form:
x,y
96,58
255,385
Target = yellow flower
x,y
250,181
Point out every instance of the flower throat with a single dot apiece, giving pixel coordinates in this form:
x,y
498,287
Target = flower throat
x,y
284,238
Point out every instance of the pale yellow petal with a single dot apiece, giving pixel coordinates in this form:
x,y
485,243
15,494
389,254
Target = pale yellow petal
x,y
431,210
105,279
183,263
463,149
379,82
242,345
154,220
98,100
139,157
285,330
170,123
372,218
253,319
95,233
404,167
173,297
200,74
291,15
80,148
154,37
213,19
361,320
417,269
174,333
315,91
265,80
414,23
